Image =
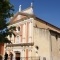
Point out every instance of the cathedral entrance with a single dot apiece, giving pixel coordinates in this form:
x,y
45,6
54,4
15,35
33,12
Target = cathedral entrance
x,y
17,55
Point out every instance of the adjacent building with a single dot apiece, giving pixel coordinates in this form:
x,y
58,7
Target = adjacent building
x,y
35,38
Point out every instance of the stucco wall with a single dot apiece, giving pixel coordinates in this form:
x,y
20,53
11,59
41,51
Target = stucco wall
x,y
42,40
58,43
55,42
48,44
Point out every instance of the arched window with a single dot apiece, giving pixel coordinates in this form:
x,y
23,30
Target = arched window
x,y
18,28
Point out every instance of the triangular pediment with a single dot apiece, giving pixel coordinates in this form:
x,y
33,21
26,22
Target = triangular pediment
x,y
21,14
17,17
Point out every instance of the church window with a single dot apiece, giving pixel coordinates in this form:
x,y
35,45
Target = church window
x,y
18,28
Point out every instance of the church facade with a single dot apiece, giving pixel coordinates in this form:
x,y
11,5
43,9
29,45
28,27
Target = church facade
x,y
35,38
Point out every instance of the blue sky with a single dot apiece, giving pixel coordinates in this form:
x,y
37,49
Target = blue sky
x,y
48,10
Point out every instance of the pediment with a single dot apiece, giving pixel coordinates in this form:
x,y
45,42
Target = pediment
x,y
21,15
16,18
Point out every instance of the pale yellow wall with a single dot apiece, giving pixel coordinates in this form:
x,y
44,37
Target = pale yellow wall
x,y
42,40
55,46
58,43
49,47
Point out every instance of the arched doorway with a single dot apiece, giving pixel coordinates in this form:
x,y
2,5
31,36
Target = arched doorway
x,y
17,55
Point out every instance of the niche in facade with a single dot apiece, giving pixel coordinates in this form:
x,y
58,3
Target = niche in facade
x,y
37,47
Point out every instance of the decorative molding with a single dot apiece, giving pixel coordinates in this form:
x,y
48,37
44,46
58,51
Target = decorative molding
x,y
21,44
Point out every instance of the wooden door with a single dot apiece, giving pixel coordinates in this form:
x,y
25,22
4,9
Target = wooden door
x,y
17,56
